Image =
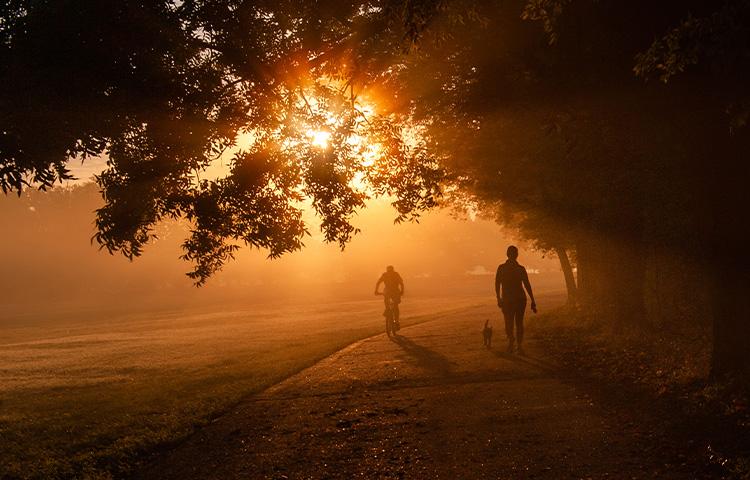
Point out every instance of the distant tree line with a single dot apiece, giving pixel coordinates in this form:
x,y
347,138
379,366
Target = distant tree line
x,y
611,133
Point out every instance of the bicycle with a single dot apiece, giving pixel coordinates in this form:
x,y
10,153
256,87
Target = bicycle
x,y
391,315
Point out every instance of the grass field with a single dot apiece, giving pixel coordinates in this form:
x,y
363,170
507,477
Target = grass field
x,y
87,396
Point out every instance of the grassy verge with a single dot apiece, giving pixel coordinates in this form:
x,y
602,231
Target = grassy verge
x,y
90,402
666,374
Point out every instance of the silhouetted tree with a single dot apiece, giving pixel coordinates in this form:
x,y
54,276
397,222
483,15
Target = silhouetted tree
x,y
522,129
701,50
690,135
558,125
718,41
164,88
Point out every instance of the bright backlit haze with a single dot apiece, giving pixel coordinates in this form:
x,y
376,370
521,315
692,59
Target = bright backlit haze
x,y
50,261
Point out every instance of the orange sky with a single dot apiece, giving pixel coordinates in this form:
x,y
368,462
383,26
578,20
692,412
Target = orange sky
x,y
48,258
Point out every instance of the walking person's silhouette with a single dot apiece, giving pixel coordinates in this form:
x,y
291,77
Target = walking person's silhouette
x,y
510,280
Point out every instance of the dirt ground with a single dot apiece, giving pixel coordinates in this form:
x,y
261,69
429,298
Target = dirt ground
x,y
431,403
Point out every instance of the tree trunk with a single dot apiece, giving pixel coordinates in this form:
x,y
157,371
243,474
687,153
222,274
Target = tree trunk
x,y
611,281
629,268
731,309
727,240
593,279
570,279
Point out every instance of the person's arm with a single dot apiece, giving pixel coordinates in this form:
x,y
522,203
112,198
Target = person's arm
x,y
380,280
401,284
498,282
527,285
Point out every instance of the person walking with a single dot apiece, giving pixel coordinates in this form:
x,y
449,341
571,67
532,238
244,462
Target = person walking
x,y
510,281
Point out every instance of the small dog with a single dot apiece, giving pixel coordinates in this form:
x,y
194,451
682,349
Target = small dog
x,y
487,333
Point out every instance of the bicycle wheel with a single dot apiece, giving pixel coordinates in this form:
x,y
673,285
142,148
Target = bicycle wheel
x,y
389,323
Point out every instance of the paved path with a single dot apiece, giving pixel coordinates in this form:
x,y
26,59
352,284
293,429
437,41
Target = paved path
x,y
432,403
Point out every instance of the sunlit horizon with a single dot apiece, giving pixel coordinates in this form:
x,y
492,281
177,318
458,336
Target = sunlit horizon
x,y
440,250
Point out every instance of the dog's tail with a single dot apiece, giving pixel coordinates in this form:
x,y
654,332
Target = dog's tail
x,y
486,323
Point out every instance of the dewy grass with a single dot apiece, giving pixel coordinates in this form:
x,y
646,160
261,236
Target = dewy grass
x,y
88,399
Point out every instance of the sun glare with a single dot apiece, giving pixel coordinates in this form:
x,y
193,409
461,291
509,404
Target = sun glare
x,y
319,139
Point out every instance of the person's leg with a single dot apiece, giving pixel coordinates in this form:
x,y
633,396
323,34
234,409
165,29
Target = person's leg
x,y
396,301
519,327
508,315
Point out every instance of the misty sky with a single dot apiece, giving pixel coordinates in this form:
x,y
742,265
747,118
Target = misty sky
x,y
48,257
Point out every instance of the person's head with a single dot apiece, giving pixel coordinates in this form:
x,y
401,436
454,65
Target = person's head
x,y
512,252
389,269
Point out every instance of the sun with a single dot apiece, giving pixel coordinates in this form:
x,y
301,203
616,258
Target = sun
x,y
319,139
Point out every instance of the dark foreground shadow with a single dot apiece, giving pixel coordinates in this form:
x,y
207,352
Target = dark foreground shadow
x,y
423,356
525,360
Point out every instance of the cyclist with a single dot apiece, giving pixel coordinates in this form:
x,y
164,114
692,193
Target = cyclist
x,y
393,288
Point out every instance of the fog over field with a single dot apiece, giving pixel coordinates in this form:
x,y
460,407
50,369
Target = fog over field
x,y
129,355
51,267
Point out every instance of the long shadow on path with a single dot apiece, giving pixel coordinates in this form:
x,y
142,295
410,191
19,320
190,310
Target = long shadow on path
x,y
527,361
424,357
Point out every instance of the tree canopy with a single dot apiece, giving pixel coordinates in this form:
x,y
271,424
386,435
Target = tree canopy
x,y
164,88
